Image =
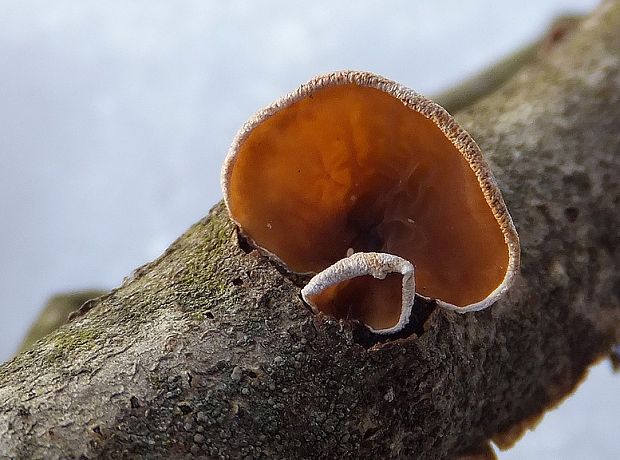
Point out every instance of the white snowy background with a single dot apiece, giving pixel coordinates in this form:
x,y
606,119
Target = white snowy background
x,y
115,117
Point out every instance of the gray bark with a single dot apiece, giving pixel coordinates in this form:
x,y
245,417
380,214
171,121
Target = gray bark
x,y
489,80
208,350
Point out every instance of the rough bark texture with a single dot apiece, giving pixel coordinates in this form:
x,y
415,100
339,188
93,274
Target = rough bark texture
x,y
56,313
209,351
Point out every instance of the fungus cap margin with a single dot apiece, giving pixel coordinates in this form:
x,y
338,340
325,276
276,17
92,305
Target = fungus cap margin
x,y
461,140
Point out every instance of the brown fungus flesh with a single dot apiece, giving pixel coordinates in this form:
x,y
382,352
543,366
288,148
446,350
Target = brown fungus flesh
x,y
353,287
352,162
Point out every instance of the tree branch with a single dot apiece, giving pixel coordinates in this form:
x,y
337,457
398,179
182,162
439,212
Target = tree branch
x,y
55,314
490,79
209,351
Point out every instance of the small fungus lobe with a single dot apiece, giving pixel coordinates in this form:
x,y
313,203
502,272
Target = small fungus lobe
x,y
354,163
354,286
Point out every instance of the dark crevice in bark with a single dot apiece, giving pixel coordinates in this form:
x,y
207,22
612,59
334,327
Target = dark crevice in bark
x,y
422,310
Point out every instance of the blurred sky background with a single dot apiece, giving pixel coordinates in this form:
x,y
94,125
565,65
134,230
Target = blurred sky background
x,y
115,117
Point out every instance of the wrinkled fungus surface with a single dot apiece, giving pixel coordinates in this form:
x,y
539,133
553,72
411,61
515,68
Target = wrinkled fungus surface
x,y
350,168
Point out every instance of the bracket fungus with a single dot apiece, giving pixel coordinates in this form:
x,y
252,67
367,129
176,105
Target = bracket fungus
x,y
357,179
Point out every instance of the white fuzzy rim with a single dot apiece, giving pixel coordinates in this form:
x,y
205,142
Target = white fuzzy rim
x,y
442,119
376,264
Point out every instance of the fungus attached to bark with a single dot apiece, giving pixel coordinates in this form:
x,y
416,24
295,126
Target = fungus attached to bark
x,y
354,287
352,162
